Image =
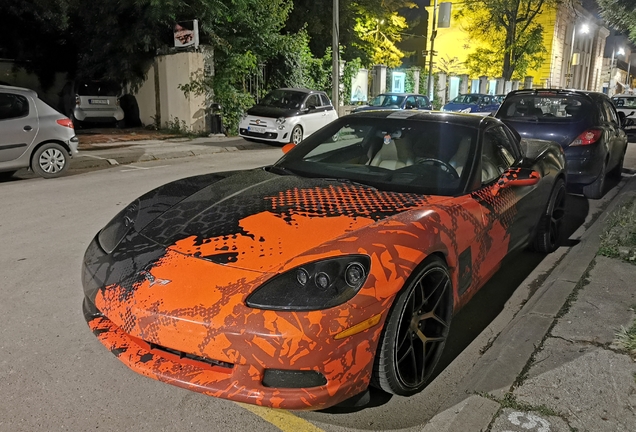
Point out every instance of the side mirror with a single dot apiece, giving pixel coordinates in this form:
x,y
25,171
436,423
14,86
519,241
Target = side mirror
x,y
516,177
311,108
288,147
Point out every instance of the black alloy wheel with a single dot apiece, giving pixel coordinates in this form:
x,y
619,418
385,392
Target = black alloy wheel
x,y
550,226
415,331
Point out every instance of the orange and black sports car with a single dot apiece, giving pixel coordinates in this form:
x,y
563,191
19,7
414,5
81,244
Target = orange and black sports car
x,y
300,284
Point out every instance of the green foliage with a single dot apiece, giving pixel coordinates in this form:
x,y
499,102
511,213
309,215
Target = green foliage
x,y
619,238
512,32
626,339
620,14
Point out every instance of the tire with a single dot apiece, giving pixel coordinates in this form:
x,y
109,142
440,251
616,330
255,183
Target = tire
x,y
617,172
549,230
297,135
595,190
120,124
415,331
50,160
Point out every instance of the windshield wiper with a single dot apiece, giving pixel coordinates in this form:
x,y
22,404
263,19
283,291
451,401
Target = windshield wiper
x,y
279,170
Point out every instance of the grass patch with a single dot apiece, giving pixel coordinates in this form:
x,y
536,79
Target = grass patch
x,y
626,339
619,238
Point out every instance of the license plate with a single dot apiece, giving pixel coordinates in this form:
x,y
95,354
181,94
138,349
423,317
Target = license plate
x,y
98,101
256,129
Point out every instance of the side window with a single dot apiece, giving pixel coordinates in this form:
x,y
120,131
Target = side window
x,y
410,103
313,100
13,106
325,100
497,154
422,102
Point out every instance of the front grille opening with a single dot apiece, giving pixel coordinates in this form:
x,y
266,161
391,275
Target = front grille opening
x,y
184,355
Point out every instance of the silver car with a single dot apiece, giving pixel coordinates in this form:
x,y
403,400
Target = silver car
x,y
33,135
92,102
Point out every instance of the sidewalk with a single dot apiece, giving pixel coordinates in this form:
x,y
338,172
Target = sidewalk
x,y
556,366
100,153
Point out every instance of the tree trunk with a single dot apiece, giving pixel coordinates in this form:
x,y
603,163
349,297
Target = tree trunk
x,y
508,66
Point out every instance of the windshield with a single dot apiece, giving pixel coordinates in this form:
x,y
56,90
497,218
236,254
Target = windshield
x,y
284,99
545,108
466,99
98,88
624,102
384,100
398,155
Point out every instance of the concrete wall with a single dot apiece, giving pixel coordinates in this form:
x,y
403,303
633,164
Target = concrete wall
x,y
162,86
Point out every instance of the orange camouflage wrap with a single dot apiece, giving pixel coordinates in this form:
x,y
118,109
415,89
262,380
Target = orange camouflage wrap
x,y
180,314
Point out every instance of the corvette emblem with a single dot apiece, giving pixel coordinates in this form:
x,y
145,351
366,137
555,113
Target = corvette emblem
x,y
153,280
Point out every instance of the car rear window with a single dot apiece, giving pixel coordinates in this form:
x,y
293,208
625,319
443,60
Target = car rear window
x,y
95,88
545,107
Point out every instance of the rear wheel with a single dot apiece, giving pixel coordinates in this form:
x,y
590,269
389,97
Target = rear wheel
x,y
416,331
550,226
596,189
617,172
50,160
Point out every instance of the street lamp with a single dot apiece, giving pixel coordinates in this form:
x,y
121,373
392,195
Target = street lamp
x,y
585,29
620,51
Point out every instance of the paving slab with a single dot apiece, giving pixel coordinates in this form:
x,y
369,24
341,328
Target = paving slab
x,y
603,306
592,387
476,411
512,420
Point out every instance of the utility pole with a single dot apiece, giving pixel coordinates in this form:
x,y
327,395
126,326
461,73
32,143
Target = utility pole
x,y
431,52
335,55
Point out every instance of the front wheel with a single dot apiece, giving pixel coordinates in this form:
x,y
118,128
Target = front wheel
x,y
297,135
50,160
550,226
415,331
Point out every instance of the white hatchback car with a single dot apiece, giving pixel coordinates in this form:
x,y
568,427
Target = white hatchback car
x,y
626,103
287,115
33,135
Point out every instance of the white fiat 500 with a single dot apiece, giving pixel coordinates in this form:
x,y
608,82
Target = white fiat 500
x,y
287,115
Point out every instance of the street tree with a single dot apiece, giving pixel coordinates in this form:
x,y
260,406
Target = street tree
x,y
620,14
511,33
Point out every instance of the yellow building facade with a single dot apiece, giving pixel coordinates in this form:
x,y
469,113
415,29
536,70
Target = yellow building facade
x,y
453,45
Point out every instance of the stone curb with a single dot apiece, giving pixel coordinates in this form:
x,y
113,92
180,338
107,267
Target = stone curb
x,y
495,372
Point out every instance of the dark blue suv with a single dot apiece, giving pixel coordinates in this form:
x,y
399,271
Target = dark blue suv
x,y
585,124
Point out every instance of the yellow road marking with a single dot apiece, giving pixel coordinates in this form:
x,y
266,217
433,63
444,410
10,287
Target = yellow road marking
x,y
282,419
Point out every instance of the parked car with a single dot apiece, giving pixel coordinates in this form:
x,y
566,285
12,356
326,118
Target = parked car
x,y
92,102
626,103
397,101
473,103
33,135
585,124
298,285
287,115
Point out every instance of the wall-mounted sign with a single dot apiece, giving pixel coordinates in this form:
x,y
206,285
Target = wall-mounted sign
x,y
398,82
186,34
359,86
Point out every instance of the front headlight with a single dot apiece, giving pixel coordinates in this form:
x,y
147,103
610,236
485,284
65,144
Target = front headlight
x,y
313,286
110,236
280,120
465,110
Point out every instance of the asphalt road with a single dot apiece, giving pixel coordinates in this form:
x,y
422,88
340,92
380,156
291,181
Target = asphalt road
x,y
55,375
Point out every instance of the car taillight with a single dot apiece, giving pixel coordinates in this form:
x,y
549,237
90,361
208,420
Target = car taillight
x,y
65,122
590,136
78,100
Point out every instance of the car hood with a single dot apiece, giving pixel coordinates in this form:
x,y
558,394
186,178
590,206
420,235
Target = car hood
x,y
561,132
273,112
260,221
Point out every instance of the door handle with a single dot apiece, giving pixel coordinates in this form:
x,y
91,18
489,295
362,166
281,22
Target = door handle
x,y
28,128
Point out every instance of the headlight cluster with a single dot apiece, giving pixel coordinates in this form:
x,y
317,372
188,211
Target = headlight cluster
x,y
110,236
280,121
465,110
313,286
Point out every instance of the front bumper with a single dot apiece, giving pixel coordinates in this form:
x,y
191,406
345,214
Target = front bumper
x,y
266,129
221,347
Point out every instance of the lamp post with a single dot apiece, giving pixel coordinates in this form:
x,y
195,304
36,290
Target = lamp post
x,y
584,30
432,52
335,55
